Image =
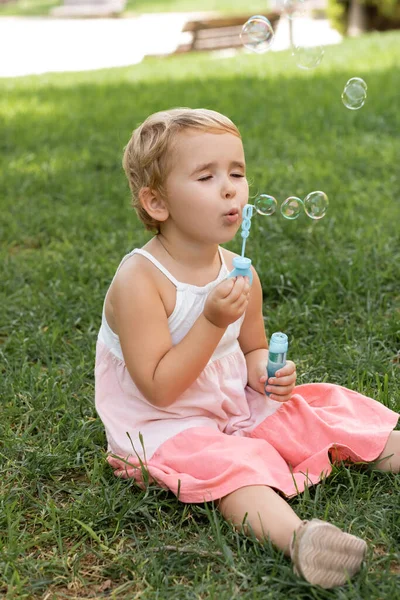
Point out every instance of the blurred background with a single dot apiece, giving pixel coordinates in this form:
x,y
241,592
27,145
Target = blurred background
x,y
74,35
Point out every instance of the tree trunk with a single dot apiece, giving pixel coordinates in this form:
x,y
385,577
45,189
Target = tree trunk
x,y
357,21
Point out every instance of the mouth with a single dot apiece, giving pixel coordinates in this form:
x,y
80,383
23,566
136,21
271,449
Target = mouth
x,y
232,212
232,216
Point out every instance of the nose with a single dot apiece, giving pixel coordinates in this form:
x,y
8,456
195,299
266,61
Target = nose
x,y
228,188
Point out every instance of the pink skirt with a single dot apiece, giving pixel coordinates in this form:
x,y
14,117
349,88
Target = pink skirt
x,y
288,451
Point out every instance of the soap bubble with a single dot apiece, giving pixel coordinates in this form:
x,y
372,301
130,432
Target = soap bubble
x,y
291,207
265,205
354,93
294,8
257,34
308,57
316,204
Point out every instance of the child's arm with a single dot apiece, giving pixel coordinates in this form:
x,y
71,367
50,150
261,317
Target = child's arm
x,y
254,344
161,371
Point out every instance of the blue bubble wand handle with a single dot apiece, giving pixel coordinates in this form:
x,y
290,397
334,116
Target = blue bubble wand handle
x,y
278,347
241,263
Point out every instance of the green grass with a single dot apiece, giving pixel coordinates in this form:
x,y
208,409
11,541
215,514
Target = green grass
x,y
69,529
35,8
223,6
28,8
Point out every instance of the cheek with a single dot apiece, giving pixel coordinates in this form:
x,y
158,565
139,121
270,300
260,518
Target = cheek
x,y
200,196
246,195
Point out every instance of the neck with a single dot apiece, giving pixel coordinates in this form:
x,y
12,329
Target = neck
x,y
189,254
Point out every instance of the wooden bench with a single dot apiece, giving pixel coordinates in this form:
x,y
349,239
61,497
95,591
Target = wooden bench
x,y
218,33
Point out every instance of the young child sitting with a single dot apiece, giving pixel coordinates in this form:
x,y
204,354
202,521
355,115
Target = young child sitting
x,y
182,353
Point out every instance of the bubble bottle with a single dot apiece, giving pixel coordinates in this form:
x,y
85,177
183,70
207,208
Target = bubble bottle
x,y
242,265
278,347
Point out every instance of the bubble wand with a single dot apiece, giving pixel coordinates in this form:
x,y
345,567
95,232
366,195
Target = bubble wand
x,y
242,265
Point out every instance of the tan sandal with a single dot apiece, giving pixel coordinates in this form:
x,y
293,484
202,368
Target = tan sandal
x,y
325,555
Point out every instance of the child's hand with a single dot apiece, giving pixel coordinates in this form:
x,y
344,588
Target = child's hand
x,y
281,385
227,302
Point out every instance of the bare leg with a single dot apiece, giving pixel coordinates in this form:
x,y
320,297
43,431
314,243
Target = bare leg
x,y
389,459
268,514
321,553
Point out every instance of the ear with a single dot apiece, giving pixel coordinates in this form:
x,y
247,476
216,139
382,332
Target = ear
x,y
153,204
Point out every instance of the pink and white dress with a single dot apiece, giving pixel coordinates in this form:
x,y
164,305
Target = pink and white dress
x,y
220,434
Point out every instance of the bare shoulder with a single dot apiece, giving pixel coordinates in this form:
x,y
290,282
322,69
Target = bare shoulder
x,y
136,277
136,270
136,267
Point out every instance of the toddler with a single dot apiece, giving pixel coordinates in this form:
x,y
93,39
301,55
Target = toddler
x,y
182,352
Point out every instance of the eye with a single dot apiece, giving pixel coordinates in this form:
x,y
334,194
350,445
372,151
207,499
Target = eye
x,y
206,178
237,175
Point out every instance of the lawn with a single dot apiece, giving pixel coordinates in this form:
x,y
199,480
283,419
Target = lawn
x,y
27,8
34,8
223,6
69,529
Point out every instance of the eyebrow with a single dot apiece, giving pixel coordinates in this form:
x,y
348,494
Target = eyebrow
x,y
204,167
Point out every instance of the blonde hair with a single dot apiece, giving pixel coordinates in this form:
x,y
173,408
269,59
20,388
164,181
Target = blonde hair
x,y
146,158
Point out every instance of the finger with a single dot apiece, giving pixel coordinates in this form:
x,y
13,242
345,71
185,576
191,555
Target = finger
x,y
246,289
237,289
241,282
247,286
280,398
237,311
239,304
226,287
288,369
237,297
278,390
281,381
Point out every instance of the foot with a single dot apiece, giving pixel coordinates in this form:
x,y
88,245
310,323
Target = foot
x,y
325,555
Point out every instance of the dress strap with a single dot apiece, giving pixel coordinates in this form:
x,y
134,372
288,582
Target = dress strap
x,y
157,264
222,257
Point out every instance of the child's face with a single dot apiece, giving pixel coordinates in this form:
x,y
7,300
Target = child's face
x,y
207,186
